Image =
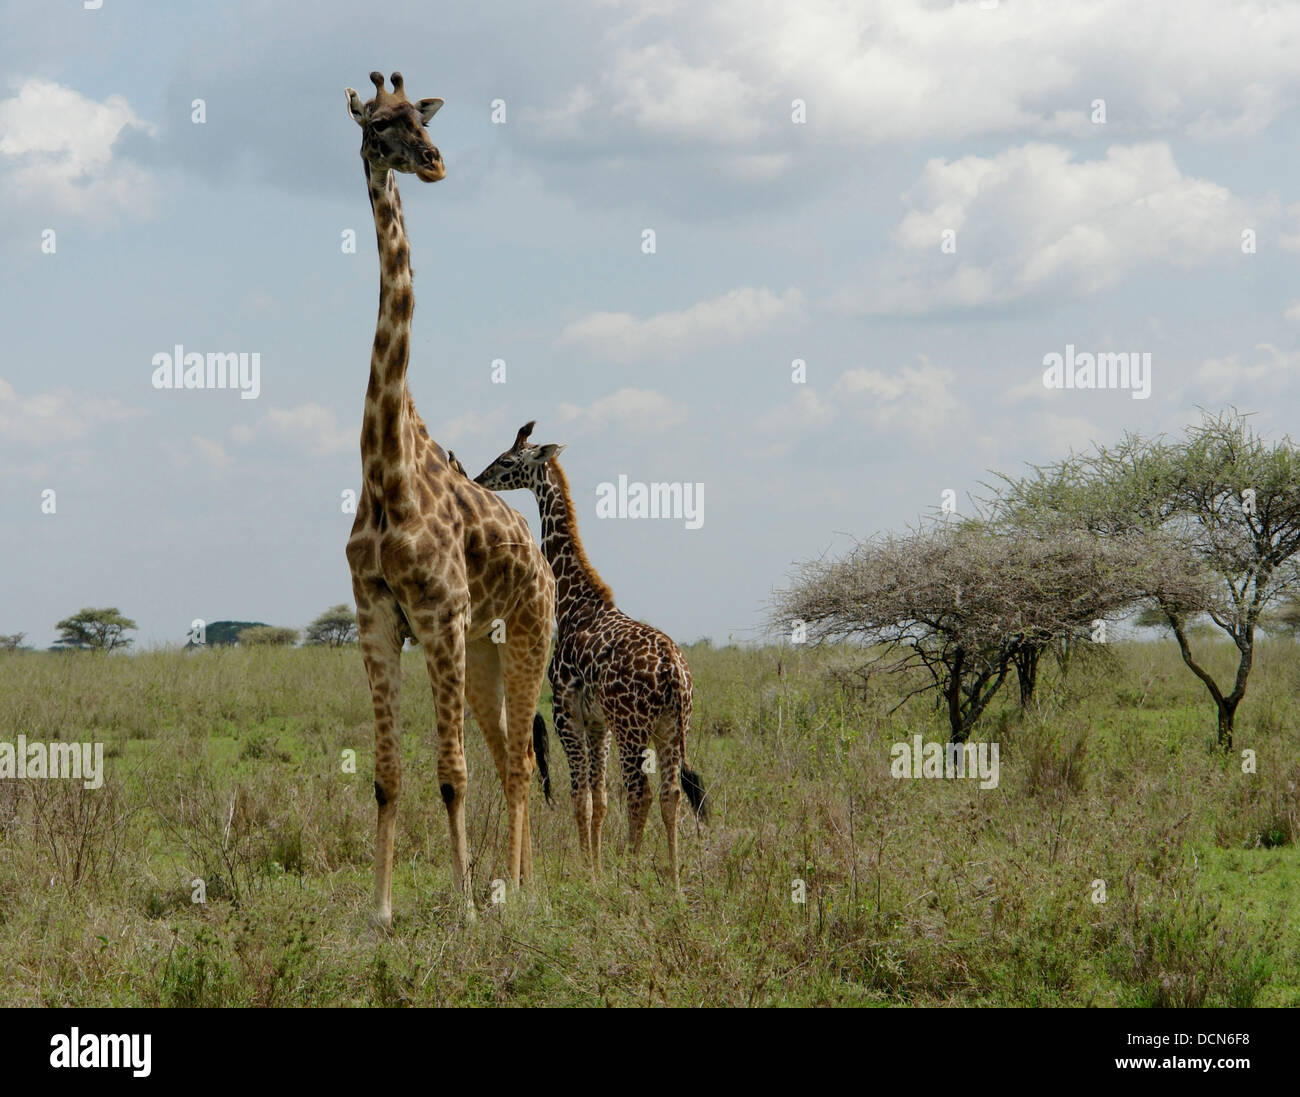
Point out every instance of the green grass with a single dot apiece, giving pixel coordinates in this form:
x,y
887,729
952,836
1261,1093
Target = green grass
x,y
227,765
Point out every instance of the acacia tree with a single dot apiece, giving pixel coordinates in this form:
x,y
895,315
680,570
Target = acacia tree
x,y
333,628
967,602
95,630
1221,495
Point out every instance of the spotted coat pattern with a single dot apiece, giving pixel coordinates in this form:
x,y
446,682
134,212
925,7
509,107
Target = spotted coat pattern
x,y
433,556
611,676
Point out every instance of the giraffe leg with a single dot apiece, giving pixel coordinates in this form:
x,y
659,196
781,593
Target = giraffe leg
x,y
573,740
378,628
598,751
668,744
486,697
441,633
523,665
632,743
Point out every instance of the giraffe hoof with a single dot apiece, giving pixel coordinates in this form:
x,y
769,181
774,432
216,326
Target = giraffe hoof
x,y
382,921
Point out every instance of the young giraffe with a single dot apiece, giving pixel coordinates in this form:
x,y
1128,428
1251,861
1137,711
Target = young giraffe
x,y
433,556
609,673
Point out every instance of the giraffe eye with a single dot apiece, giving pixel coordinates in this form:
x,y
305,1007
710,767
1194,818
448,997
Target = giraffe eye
x,y
381,125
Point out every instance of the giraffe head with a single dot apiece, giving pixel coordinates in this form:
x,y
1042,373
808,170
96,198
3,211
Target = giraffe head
x,y
523,465
392,130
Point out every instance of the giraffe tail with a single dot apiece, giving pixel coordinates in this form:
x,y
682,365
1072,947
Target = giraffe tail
x,y
541,746
694,789
692,785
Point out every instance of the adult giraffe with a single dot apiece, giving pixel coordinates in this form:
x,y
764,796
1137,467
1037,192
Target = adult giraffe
x,y
434,556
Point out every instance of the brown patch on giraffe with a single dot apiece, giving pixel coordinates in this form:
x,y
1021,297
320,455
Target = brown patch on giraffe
x,y
391,449
466,501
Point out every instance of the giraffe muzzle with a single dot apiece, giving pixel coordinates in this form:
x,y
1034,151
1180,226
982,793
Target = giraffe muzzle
x,y
432,169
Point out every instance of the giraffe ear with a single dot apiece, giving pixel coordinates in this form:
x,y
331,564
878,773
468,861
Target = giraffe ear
x,y
542,454
355,107
428,108
522,436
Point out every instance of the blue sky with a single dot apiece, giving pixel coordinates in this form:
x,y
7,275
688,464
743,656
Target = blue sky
x,y
775,240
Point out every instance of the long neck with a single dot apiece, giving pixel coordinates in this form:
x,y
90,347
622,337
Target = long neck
x,y
580,592
387,430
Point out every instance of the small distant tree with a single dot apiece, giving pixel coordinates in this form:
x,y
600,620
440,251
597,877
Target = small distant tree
x,y
226,633
1151,616
12,642
268,636
333,628
95,630
1286,618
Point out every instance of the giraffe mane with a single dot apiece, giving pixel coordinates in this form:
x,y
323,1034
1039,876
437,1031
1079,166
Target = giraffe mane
x,y
598,585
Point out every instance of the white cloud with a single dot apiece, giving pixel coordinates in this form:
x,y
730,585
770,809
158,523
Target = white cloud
x,y
642,409
776,430
1291,242
490,426
56,416
730,318
892,70
57,150
1034,220
212,452
656,89
1064,433
914,398
807,409
309,427
1292,314
1223,378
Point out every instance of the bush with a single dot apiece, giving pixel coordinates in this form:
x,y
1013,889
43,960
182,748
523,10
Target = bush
x,y
268,635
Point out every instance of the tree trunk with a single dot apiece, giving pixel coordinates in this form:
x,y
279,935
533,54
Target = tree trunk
x,y
1227,715
1026,660
955,722
1227,706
